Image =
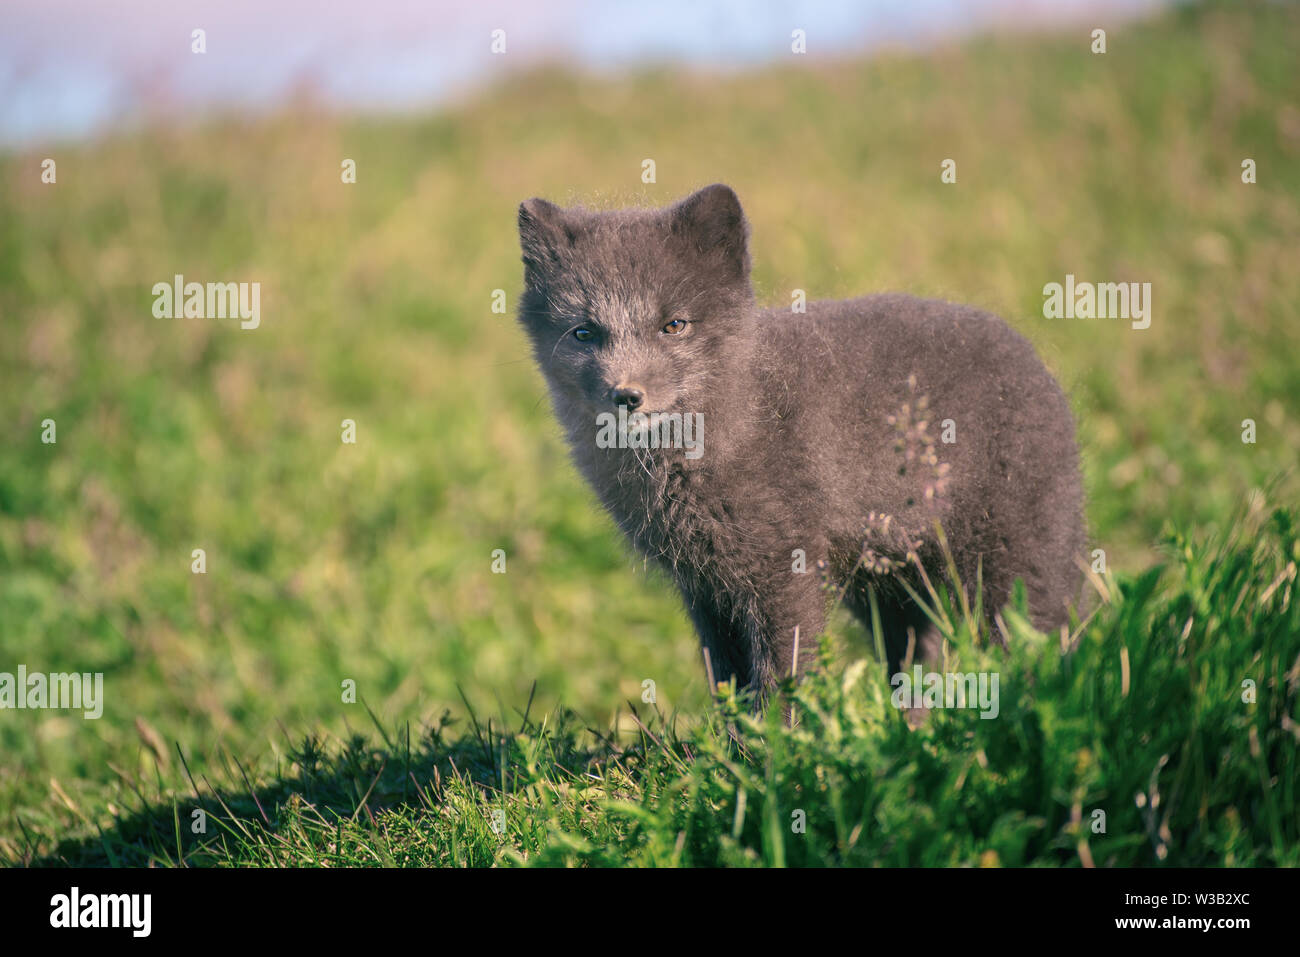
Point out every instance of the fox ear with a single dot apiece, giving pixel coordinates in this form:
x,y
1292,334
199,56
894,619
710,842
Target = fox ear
x,y
542,230
713,224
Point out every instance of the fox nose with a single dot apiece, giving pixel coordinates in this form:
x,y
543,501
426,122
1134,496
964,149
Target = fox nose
x,y
629,395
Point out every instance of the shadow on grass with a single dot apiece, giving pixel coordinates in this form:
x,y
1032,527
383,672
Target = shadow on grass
x,y
426,799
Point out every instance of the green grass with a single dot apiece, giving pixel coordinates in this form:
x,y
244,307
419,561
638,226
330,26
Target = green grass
x,y
372,562
1143,716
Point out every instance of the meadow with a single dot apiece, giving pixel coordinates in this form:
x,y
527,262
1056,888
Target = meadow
x,y
1174,709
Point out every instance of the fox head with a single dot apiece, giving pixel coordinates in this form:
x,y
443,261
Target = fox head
x,y
646,309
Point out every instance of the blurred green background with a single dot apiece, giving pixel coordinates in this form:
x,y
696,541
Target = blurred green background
x,y
372,561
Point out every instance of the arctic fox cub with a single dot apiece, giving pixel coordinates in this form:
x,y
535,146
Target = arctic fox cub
x,y
771,461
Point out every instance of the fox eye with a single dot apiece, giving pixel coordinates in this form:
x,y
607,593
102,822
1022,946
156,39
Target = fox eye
x,y
675,328
583,334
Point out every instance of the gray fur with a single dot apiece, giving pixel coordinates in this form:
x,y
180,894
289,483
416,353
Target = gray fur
x,y
799,448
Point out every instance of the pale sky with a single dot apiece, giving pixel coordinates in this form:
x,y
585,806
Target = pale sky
x,y
69,68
